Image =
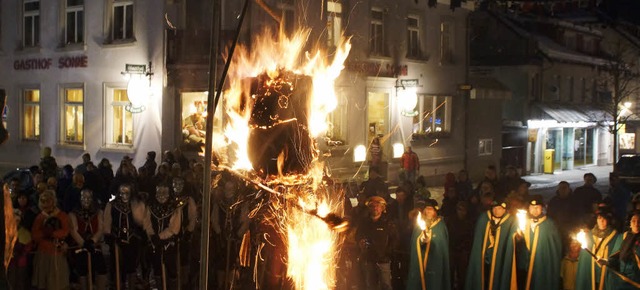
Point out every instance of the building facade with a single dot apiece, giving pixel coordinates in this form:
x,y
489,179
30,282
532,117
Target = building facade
x,y
71,69
557,61
397,48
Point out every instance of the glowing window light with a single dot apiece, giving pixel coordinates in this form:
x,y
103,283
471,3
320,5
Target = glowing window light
x,y
398,150
360,153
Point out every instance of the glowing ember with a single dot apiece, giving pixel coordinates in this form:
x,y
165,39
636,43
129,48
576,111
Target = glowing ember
x,y
581,237
522,219
276,105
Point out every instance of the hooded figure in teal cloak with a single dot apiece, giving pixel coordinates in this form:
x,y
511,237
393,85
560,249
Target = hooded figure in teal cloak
x,y
492,259
603,241
429,264
539,250
627,261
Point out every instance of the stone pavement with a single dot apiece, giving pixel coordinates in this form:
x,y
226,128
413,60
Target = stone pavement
x,y
539,181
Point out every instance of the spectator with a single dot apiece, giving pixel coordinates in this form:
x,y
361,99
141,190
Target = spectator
x,y
463,185
374,184
377,238
48,163
587,195
72,195
50,229
410,164
375,152
150,163
562,209
460,228
82,167
106,172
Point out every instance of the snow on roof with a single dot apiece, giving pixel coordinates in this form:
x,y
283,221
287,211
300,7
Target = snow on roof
x,y
549,47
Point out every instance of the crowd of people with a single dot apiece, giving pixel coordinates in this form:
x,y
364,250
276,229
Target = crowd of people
x,y
90,228
495,235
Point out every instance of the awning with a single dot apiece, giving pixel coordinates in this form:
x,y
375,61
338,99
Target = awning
x,y
488,88
570,113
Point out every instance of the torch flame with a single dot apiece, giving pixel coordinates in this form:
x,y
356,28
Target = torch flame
x,y
421,223
581,237
522,219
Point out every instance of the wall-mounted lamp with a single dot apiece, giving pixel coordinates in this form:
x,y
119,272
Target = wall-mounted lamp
x,y
407,97
138,86
359,153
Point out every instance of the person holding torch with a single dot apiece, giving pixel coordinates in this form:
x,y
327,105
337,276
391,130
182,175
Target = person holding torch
x,y
602,241
491,262
538,248
628,259
429,262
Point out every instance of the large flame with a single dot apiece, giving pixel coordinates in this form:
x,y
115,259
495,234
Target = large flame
x,y
312,245
269,55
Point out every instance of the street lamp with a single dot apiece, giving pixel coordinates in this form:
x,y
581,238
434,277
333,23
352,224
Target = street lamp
x,y
407,97
138,86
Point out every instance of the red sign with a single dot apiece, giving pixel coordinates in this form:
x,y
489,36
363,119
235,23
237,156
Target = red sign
x,y
47,63
72,61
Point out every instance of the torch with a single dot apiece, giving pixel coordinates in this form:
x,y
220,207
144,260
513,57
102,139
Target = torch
x,y
581,237
522,219
422,224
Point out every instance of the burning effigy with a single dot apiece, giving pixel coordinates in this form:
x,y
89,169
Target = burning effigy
x,y
276,105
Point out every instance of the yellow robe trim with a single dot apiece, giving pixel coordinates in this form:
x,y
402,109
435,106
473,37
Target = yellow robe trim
x,y
422,262
533,246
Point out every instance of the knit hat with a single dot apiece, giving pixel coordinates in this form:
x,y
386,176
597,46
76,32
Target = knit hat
x,y
376,199
432,203
536,199
500,201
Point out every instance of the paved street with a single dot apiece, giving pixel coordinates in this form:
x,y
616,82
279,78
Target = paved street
x,y
545,184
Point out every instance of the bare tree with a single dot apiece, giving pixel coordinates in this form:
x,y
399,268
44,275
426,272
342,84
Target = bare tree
x,y
619,85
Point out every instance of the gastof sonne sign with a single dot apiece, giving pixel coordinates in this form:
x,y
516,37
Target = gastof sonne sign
x,y
47,63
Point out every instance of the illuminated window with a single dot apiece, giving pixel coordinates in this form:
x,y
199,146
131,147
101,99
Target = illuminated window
x,y
74,25
413,37
434,115
73,116
31,23
376,39
485,147
119,121
122,20
31,114
334,23
193,119
446,42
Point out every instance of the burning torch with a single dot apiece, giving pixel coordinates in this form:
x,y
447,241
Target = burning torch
x,y
581,237
521,215
422,224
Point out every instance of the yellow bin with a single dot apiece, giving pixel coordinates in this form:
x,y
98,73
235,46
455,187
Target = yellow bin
x,y
549,155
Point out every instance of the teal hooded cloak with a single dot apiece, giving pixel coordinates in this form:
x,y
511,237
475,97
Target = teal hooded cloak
x,y
539,254
432,258
590,274
498,252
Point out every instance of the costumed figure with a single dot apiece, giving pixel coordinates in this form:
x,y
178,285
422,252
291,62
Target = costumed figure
x,y
162,224
230,223
603,240
538,249
87,232
429,264
123,232
492,260
50,228
188,225
9,223
627,261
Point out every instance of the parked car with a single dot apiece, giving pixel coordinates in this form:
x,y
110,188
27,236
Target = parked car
x,y
628,169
